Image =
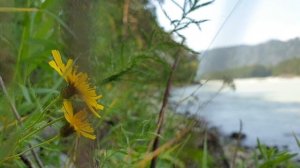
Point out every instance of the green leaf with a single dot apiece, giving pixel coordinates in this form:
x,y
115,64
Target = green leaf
x,y
25,93
278,160
204,156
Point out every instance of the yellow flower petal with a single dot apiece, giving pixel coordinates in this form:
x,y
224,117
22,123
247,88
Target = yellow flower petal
x,y
93,111
78,121
57,58
68,69
87,135
68,107
55,67
81,115
87,128
78,82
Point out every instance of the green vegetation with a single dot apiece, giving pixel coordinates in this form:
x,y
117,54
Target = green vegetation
x,y
127,56
245,72
129,59
289,67
272,157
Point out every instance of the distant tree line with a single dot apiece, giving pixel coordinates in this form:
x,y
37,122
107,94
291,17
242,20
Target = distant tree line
x,y
289,67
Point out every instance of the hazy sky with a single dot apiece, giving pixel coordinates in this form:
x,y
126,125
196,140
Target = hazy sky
x,y
252,22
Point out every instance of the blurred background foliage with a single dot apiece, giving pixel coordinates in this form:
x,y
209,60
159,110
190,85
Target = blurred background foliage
x,y
128,57
287,68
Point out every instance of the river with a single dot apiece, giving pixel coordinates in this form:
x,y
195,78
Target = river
x,y
269,108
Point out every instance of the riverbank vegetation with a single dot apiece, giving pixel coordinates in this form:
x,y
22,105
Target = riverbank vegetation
x,y
287,68
65,63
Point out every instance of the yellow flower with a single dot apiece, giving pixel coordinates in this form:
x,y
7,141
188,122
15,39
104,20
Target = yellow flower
x,y
78,83
78,121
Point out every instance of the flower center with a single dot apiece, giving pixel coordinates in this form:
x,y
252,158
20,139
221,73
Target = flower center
x,y
66,130
68,91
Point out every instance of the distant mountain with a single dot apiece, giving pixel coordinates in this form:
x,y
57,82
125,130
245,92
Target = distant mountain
x,y
266,54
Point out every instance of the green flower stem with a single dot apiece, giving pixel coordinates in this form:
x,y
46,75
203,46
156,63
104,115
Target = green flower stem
x,y
37,130
35,146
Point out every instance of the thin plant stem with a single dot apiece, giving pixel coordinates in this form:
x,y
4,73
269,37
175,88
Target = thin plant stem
x,y
20,49
164,147
35,146
238,144
13,107
12,9
18,117
14,123
37,130
44,110
160,121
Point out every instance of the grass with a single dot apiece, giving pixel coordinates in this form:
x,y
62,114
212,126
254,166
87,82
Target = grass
x,y
129,62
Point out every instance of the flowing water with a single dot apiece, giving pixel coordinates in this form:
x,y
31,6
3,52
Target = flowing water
x,y
269,108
